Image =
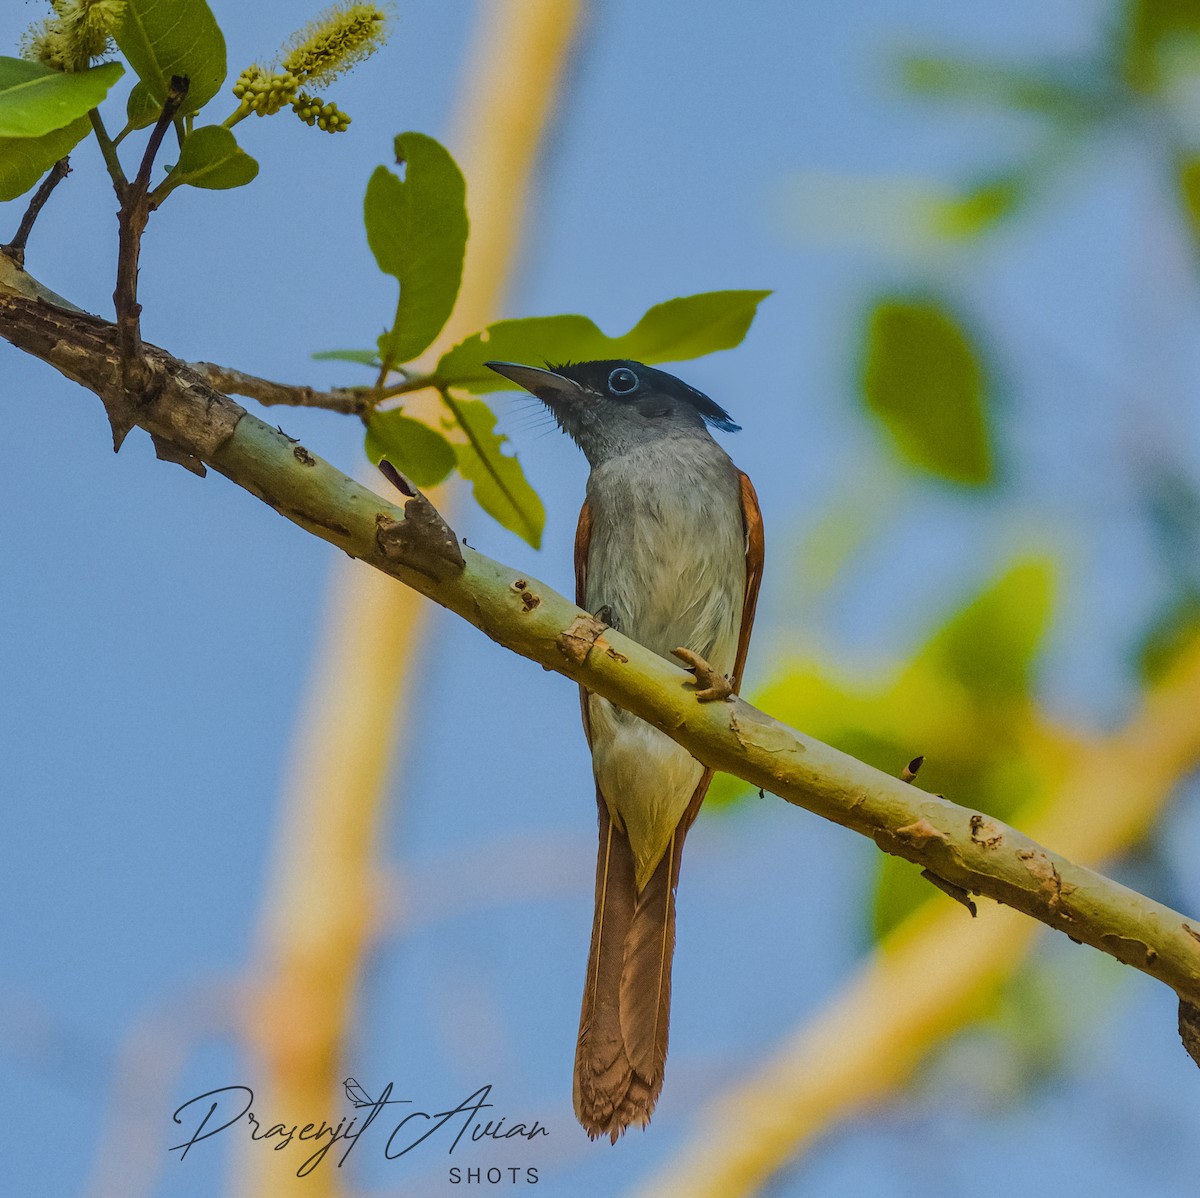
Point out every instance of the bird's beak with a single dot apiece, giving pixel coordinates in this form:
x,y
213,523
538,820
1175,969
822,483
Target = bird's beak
x,y
552,389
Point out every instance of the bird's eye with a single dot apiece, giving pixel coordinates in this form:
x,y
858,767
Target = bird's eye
x,y
622,381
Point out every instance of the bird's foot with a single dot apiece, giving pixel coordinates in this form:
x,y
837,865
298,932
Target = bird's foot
x,y
711,685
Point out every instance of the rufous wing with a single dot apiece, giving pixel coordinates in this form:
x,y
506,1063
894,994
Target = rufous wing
x,y
753,524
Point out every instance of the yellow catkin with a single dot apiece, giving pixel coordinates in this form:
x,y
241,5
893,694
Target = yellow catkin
x,y
79,31
333,42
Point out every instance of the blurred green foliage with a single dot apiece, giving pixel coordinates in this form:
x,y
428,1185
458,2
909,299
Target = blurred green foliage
x,y
1155,31
922,379
965,700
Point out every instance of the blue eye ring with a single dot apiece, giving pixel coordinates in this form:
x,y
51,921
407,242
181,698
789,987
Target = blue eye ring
x,y
623,381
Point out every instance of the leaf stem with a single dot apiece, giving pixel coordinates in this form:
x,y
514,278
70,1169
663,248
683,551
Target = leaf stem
x,y
109,149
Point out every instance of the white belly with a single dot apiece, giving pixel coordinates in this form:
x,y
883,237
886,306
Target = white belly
x,y
672,569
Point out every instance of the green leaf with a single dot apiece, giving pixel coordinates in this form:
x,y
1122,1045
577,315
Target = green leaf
x,y
1153,29
415,449
923,380
35,99
497,479
1070,98
367,357
899,891
1172,632
674,331
141,108
211,158
989,646
1188,176
691,326
983,206
24,160
417,230
988,649
161,38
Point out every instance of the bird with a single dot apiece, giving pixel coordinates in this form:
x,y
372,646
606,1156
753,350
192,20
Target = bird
x,y
669,552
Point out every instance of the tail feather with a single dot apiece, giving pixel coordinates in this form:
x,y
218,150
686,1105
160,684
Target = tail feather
x,y
622,1048
646,975
602,1071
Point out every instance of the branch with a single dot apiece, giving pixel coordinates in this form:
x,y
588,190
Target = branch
x,y
15,249
131,224
934,972
198,425
349,747
351,401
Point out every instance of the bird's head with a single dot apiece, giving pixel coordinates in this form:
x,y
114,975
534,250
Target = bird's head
x,y
610,406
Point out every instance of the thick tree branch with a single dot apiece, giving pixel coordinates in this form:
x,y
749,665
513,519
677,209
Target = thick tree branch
x,y
973,852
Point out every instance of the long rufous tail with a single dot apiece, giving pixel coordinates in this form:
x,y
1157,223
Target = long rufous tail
x,y
622,1046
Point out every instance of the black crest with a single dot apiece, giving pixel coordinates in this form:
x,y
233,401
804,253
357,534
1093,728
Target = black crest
x,y
624,379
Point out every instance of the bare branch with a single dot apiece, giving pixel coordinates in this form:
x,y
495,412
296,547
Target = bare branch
x,y
351,401
15,249
131,223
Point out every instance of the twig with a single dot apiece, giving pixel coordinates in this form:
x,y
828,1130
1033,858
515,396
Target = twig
x,y
108,148
15,249
351,401
176,94
957,893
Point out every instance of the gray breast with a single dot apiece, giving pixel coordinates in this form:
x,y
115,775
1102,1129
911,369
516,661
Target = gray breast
x,y
668,547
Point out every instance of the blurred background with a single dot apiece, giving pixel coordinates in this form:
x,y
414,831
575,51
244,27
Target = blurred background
x,y
969,410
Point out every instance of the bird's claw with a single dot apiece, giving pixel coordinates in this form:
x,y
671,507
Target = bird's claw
x,y
711,685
